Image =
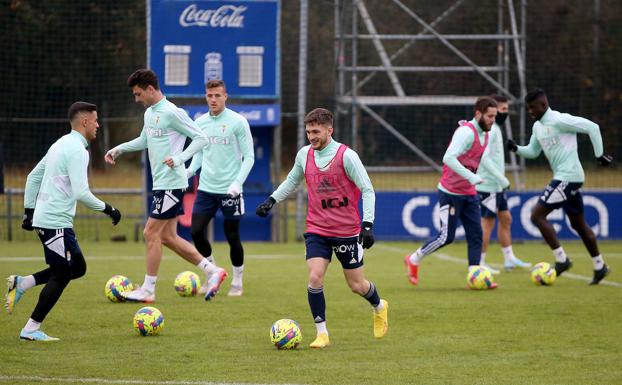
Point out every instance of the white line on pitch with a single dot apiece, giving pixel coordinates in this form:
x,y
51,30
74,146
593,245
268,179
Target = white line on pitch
x,y
122,382
451,258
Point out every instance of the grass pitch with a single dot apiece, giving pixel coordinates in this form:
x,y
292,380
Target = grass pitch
x,y
439,332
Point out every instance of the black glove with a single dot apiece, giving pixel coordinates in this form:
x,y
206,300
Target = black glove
x,y
366,236
27,222
112,213
512,145
605,160
265,207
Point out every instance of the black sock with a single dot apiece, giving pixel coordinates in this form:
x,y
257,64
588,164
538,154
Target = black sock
x,y
372,295
317,304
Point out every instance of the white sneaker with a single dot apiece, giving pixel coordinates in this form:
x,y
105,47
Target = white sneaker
x,y
139,295
515,262
492,270
235,291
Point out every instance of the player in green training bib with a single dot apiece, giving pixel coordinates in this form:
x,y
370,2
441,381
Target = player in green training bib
x,y
53,187
164,133
225,164
555,133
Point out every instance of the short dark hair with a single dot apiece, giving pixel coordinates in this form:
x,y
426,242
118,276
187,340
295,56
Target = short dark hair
x,y
534,94
483,103
499,98
215,83
78,107
143,78
319,116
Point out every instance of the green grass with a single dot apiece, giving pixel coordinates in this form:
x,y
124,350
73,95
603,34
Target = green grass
x,y
439,332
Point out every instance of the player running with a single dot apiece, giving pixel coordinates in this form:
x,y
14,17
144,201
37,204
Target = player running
x,y
52,189
456,189
555,133
335,179
491,191
225,163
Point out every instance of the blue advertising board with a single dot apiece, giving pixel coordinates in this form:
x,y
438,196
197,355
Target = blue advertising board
x,y
415,216
190,42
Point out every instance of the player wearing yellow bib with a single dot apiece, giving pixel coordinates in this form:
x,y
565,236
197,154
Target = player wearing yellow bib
x,y
555,133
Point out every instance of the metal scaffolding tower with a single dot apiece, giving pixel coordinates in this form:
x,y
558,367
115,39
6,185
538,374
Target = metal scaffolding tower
x,y
354,25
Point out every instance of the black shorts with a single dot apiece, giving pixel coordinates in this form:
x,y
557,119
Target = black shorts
x,y
59,245
208,203
566,195
167,204
348,250
492,203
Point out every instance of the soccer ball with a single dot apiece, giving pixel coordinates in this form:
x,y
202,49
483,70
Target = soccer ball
x,y
148,321
115,286
285,334
479,278
543,274
187,283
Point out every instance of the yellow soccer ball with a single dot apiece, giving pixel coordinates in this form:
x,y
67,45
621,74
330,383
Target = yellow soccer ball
x,y
543,274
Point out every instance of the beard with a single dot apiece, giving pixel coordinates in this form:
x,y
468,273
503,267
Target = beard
x,y
483,124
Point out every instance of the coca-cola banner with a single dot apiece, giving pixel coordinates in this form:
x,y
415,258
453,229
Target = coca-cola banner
x,y
191,42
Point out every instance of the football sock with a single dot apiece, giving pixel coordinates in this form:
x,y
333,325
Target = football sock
x,y
32,326
508,253
207,266
51,292
149,283
598,262
321,328
372,295
317,303
211,259
416,257
238,271
482,259
27,282
560,255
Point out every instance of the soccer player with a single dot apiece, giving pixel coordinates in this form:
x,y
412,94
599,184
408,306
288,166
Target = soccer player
x,y
164,133
456,189
225,164
491,191
335,179
52,189
555,133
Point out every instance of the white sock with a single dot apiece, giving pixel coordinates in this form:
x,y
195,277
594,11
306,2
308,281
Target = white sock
x,y
508,253
560,255
416,257
482,259
598,262
238,271
149,283
211,259
321,328
32,326
378,308
27,282
207,266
